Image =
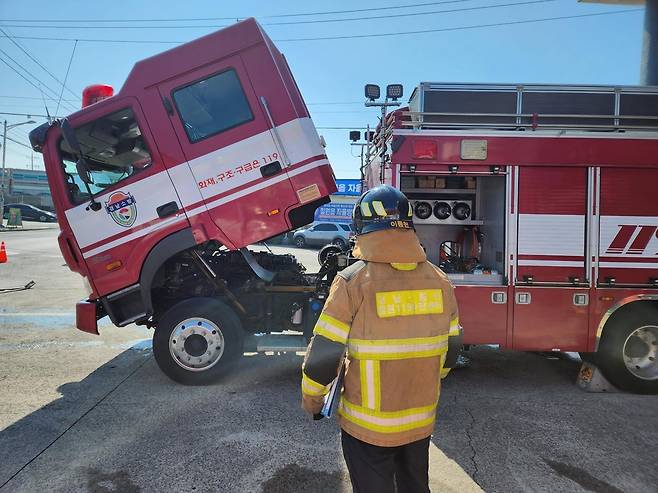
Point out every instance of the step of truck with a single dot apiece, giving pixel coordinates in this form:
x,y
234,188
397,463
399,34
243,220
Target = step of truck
x,y
282,342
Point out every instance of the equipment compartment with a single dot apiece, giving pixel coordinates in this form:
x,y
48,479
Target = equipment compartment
x,y
460,222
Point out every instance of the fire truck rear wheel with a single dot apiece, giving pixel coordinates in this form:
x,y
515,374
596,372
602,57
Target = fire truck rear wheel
x,y
197,340
628,354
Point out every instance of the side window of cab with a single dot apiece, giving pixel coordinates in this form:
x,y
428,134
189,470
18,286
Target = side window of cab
x,y
212,105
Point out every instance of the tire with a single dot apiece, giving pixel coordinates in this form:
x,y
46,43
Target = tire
x,y
300,242
327,250
339,242
628,353
173,343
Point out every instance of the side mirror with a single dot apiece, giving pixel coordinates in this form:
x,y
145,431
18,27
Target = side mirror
x,y
69,136
83,172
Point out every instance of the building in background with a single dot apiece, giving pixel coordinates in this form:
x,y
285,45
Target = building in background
x,y
27,187
339,210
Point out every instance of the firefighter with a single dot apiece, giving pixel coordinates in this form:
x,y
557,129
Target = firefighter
x,y
388,316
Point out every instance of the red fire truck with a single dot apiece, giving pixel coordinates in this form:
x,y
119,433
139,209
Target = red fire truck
x,y
541,204
207,148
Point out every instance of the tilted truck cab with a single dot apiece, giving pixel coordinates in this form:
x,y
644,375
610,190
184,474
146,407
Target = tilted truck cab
x,y
207,148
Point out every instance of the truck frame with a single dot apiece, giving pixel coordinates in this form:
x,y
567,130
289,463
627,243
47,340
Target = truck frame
x,y
539,201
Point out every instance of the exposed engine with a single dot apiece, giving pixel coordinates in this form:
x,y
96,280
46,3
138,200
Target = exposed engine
x,y
262,306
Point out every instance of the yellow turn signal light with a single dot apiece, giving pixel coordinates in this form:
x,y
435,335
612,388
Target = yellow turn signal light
x,y
113,265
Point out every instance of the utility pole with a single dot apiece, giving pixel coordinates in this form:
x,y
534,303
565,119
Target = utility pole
x,y
393,92
2,176
4,157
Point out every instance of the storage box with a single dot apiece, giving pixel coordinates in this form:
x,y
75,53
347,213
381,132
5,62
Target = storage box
x,y
439,182
426,182
470,182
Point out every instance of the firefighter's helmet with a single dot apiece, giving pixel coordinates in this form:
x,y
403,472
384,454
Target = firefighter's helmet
x,y
382,207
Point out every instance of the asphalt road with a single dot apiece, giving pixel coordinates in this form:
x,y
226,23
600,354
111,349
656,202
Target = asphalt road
x,y
93,413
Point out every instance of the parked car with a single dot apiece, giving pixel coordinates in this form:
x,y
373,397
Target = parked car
x,y
31,213
322,233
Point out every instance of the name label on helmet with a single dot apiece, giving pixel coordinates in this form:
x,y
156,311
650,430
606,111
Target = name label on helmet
x,y
401,224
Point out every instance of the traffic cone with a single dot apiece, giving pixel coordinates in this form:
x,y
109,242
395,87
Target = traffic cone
x,y
3,253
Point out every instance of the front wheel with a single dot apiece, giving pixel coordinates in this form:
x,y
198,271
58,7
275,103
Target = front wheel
x,y
628,354
300,242
197,340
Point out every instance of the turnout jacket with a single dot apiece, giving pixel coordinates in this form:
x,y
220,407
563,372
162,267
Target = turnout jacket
x,y
390,315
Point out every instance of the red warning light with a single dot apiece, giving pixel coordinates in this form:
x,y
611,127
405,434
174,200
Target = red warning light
x,y
95,93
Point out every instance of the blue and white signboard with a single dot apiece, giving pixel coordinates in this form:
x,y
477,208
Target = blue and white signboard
x,y
348,187
334,213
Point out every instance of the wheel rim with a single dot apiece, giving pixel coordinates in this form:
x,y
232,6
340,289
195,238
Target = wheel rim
x,y
299,242
196,344
641,352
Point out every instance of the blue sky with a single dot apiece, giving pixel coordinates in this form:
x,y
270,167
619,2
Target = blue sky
x,y
331,73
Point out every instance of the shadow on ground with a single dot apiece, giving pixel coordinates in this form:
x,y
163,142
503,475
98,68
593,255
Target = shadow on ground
x,y
514,422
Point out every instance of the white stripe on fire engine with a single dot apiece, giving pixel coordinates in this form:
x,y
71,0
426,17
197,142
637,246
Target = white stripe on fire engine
x,y
258,186
630,265
132,236
299,137
202,208
553,263
551,234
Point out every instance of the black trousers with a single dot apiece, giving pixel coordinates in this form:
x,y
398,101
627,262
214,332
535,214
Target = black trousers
x,y
380,469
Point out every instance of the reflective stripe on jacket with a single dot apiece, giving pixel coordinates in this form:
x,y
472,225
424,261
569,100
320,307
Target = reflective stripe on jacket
x,y
391,314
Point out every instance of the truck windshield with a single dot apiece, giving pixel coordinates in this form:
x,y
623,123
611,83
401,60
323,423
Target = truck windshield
x,y
114,150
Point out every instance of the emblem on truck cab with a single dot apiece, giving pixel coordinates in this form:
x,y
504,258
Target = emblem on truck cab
x,y
122,209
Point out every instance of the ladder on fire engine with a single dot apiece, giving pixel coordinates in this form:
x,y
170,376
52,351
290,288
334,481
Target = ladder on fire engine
x,y
530,107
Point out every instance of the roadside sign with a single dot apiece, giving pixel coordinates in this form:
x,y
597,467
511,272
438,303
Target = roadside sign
x,y
338,213
348,187
14,217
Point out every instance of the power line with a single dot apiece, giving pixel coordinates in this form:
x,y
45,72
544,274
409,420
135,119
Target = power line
x,y
355,36
315,21
458,28
21,75
24,50
66,77
34,97
30,74
17,142
29,115
233,18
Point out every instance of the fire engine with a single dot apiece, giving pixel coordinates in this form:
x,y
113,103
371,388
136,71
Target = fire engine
x,y
540,203
159,189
